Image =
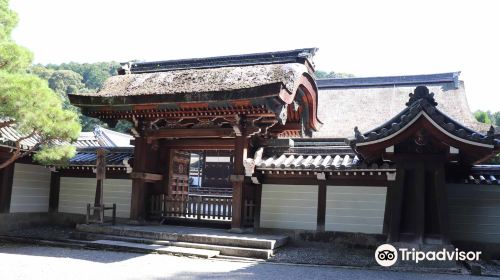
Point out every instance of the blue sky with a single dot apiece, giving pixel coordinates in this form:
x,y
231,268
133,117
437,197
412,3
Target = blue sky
x,y
365,38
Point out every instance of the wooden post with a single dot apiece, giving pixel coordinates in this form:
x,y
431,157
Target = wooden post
x,y
100,176
55,187
138,197
388,209
258,203
442,202
420,203
237,179
321,214
6,180
396,204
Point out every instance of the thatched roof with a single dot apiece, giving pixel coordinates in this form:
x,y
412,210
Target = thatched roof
x,y
202,80
341,108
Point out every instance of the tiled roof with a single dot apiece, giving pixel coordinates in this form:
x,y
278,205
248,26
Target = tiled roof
x,y
116,144
114,157
102,137
9,136
314,155
427,79
484,174
280,57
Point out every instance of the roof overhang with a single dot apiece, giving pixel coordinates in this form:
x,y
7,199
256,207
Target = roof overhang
x,y
421,116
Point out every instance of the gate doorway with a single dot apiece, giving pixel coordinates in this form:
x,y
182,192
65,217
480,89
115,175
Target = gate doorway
x,y
197,189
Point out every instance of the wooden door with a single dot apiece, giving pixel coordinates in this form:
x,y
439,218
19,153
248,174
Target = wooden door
x,y
178,179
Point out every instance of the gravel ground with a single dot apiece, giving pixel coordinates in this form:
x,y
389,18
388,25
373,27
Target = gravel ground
x,y
314,253
38,262
339,255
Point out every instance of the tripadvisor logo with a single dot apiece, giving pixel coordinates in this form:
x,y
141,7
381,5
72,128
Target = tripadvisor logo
x,y
388,255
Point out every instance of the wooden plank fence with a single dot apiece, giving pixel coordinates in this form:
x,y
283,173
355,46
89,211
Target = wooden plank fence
x,y
199,207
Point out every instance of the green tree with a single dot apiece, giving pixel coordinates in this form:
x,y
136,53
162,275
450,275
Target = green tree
x,y
482,116
28,104
80,77
495,118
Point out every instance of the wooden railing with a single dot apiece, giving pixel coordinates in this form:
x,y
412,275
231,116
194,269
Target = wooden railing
x,y
210,191
98,216
200,207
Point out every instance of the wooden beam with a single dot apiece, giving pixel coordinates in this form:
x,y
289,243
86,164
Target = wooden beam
x,y
396,204
6,179
110,174
138,196
258,204
55,187
442,203
189,133
331,180
420,203
321,215
238,179
201,144
150,177
388,209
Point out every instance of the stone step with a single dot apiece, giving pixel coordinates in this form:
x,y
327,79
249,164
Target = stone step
x,y
240,252
157,248
190,235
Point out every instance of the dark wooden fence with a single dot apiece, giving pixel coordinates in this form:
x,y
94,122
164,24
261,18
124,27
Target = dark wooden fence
x,y
200,207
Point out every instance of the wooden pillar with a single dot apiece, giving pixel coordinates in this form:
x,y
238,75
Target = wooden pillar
x,y
138,196
258,204
420,203
6,179
442,203
388,209
321,215
238,180
396,204
55,187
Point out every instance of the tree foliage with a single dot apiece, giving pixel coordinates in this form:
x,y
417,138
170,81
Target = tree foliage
x,y
482,116
28,104
489,118
80,77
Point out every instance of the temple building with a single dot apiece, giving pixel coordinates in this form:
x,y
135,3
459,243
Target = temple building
x,y
256,141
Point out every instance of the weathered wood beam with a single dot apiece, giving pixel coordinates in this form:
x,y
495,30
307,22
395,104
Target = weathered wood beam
x,y
238,179
420,202
55,187
138,196
150,177
396,204
201,144
321,214
6,179
189,133
441,193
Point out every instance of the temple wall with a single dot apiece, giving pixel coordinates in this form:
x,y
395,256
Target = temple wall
x,y
289,207
75,193
355,209
30,189
474,212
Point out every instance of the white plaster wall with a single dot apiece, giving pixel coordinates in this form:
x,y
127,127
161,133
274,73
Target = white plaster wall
x,y
289,207
474,212
355,208
30,188
75,193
